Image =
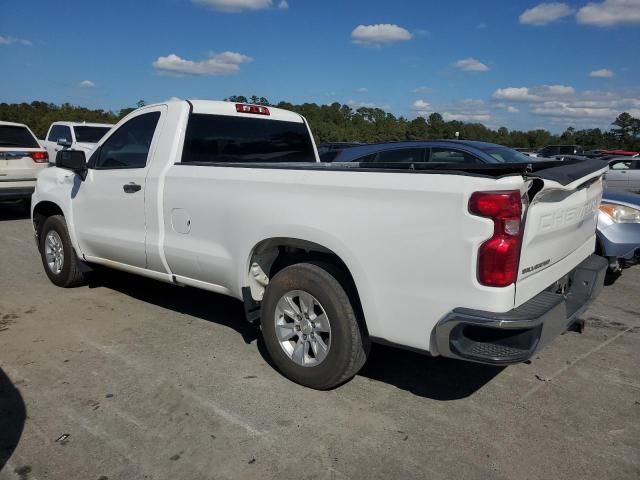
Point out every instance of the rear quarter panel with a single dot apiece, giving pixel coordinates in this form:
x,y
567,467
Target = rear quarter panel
x,y
407,239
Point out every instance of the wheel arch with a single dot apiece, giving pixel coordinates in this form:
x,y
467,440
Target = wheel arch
x,y
271,255
41,211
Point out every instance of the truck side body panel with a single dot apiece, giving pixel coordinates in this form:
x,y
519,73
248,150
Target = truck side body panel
x,y
406,239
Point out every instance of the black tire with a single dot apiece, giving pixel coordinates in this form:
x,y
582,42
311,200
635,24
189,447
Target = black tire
x,y
349,342
70,275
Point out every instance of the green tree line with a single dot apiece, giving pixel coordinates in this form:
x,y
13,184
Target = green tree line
x,y
338,122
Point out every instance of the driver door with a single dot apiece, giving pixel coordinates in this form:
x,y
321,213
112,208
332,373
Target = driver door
x,y
108,208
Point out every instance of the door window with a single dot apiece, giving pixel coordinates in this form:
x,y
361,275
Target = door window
x,y
401,155
59,132
621,165
566,150
449,155
129,145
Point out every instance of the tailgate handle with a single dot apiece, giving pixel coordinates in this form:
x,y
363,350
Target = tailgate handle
x,y
131,187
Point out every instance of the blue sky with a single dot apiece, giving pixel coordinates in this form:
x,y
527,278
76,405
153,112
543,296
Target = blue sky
x,y
519,64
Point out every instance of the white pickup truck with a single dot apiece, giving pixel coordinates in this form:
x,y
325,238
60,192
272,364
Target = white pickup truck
x,y
482,262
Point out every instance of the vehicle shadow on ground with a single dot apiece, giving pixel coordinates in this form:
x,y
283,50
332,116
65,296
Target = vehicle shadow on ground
x,y
612,277
435,378
13,211
13,414
208,306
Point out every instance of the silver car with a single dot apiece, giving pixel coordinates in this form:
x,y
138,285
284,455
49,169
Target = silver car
x,y
618,230
624,174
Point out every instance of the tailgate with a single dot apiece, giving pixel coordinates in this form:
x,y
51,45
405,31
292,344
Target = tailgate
x,y
560,221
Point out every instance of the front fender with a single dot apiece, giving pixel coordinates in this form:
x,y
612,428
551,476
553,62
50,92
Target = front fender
x,y
57,186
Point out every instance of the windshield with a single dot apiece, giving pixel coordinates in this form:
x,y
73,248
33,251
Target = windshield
x,y
507,155
90,134
15,136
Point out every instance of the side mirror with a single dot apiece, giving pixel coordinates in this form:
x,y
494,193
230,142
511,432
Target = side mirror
x,y
74,160
63,142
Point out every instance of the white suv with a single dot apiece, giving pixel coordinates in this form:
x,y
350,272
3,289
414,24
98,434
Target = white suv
x,y
21,158
74,135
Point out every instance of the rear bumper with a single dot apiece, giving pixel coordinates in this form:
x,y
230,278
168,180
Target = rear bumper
x,y
516,335
15,193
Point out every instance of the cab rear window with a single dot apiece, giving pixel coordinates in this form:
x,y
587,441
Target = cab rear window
x,y
90,134
229,139
16,136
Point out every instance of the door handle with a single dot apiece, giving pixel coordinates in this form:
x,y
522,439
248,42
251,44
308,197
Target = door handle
x,y
131,187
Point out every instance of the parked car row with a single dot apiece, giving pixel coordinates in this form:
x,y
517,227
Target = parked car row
x,y
618,236
23,156
566,151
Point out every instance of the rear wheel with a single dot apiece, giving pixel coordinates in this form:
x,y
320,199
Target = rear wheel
x,y
310,327
59,259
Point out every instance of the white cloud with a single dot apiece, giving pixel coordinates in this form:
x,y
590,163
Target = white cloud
x,y
507,108
610,12
568,110
379,34
545,13
515,94
602,73
236,6
283,5
422,108
86,84
362,90
534,94
555,90
466,117
471,65
11,40
481,26
420,105
356,105
561,104
226,63
421,90
467,110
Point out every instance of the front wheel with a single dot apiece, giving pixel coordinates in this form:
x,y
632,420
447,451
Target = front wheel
x,y
59,259
310,327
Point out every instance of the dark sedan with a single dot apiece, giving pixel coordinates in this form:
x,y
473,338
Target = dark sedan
x,y
434,151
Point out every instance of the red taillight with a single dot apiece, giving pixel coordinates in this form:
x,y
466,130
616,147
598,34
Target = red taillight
x,y
499,256
39,157
255,109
